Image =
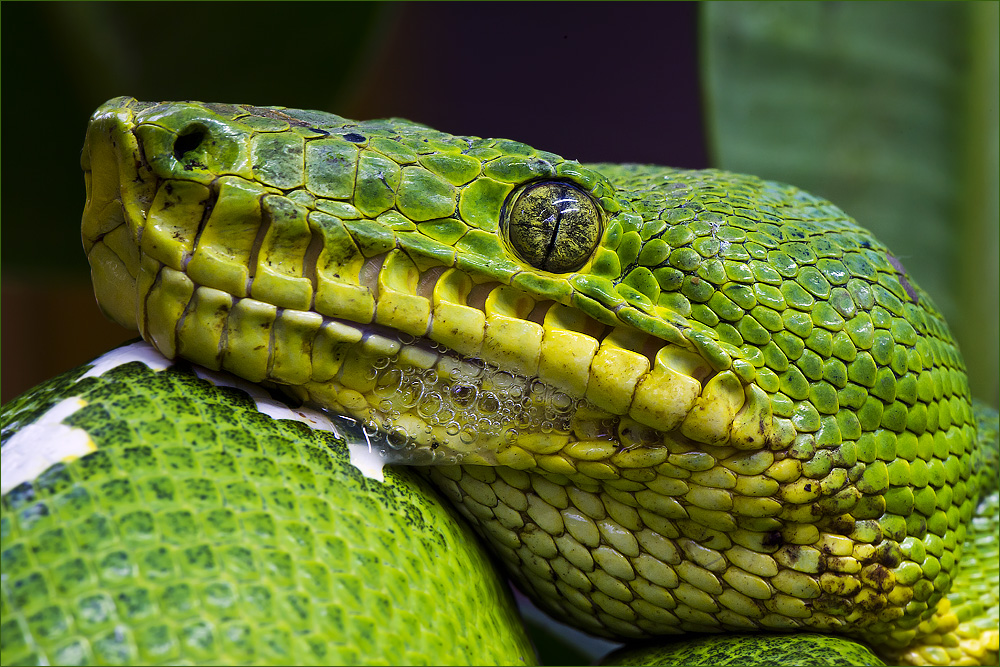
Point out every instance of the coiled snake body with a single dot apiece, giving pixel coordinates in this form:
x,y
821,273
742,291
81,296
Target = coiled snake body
x,y
671,401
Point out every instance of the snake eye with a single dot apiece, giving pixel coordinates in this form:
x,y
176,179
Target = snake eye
x,y
552,225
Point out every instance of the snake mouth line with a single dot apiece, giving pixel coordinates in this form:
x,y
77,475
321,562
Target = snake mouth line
x,y
436,404
442,405
604,386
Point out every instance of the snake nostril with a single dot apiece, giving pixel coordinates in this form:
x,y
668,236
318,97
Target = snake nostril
x,y
189,139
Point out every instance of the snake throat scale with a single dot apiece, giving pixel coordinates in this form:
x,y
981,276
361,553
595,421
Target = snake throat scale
x,y
669,401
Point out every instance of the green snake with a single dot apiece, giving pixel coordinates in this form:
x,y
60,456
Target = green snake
x,y
670,401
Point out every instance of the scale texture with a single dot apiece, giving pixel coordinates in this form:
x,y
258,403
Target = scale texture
x,y
200,530
671,401
777,649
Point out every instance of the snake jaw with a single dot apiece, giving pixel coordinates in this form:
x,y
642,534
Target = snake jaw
x,y
617,387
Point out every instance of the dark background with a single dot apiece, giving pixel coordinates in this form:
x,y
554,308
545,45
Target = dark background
x,y
585,80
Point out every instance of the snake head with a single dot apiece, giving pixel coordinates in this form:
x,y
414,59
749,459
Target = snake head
x,y
223,233
472,297
218,231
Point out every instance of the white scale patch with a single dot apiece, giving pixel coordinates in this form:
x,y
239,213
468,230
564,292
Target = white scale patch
x,y
367,460
139,351
32,450
364,457
46,441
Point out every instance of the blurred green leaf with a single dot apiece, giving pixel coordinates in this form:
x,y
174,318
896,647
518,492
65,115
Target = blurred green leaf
x,y
888,109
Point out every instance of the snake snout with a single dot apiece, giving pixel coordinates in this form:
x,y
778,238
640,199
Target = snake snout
x,y
152,173
119,191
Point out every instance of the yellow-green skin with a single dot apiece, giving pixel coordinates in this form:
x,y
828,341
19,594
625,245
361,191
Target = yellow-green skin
x,y
178,523
801,648
735,412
